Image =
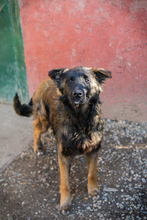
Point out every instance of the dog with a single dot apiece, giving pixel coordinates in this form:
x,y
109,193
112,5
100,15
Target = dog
x,y
68,102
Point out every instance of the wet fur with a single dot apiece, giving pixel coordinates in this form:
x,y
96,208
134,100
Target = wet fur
x,y
77,128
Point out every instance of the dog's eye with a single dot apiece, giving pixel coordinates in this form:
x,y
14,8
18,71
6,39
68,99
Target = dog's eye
x,y
71,79
86,80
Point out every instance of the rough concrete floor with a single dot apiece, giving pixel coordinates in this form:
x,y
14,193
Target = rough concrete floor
x,y
15,133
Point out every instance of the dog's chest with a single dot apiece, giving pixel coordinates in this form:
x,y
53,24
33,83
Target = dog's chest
x,y
74,132
73,136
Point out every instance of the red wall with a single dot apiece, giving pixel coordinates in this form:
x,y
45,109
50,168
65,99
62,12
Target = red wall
x,y
106,33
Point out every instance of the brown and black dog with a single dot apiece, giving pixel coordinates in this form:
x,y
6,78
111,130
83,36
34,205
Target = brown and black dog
x,y
68,101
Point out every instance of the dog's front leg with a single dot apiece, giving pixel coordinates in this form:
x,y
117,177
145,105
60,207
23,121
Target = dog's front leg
x,y
64,165
91,160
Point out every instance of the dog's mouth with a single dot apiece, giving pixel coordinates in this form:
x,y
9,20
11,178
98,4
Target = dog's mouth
x,y
80,103
77,102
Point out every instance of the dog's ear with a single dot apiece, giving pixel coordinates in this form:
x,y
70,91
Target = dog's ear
x,y
57,74
101,74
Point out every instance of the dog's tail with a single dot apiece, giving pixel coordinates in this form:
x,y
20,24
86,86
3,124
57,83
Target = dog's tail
x,y
23,110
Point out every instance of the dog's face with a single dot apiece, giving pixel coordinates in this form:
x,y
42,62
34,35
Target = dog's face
x,y
79,84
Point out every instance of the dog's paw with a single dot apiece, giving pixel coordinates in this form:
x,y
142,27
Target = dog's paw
x,y
93,191
66,204
39,153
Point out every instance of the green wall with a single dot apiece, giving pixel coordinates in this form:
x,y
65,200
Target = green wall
x,y
12,67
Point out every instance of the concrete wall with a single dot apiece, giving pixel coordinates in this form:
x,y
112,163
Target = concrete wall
x,y
106,33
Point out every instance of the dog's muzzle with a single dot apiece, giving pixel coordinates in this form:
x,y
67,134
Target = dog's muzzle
x,y
77,96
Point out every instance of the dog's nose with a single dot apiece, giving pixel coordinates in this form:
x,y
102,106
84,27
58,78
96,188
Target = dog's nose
x,y
77,93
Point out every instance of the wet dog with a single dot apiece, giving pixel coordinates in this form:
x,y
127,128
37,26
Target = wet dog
x,y
68,102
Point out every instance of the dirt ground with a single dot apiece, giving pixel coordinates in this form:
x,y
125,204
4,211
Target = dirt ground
x,y
30,185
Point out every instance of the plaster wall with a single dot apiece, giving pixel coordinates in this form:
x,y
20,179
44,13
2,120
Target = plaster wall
x,y
109,34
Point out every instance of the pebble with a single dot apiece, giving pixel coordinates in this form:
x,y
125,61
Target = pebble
x,y
23,203
72,216
88,208
95,205
143,180
108,189
63,212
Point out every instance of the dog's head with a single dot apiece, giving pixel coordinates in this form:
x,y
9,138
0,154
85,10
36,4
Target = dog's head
x,y
79,84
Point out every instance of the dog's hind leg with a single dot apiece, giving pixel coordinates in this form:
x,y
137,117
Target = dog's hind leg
x,y
40,127
91,160
64,164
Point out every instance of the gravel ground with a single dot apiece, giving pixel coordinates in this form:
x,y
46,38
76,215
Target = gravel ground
x,y
30,185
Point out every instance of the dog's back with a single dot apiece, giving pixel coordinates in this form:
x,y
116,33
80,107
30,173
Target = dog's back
x,y
46,93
